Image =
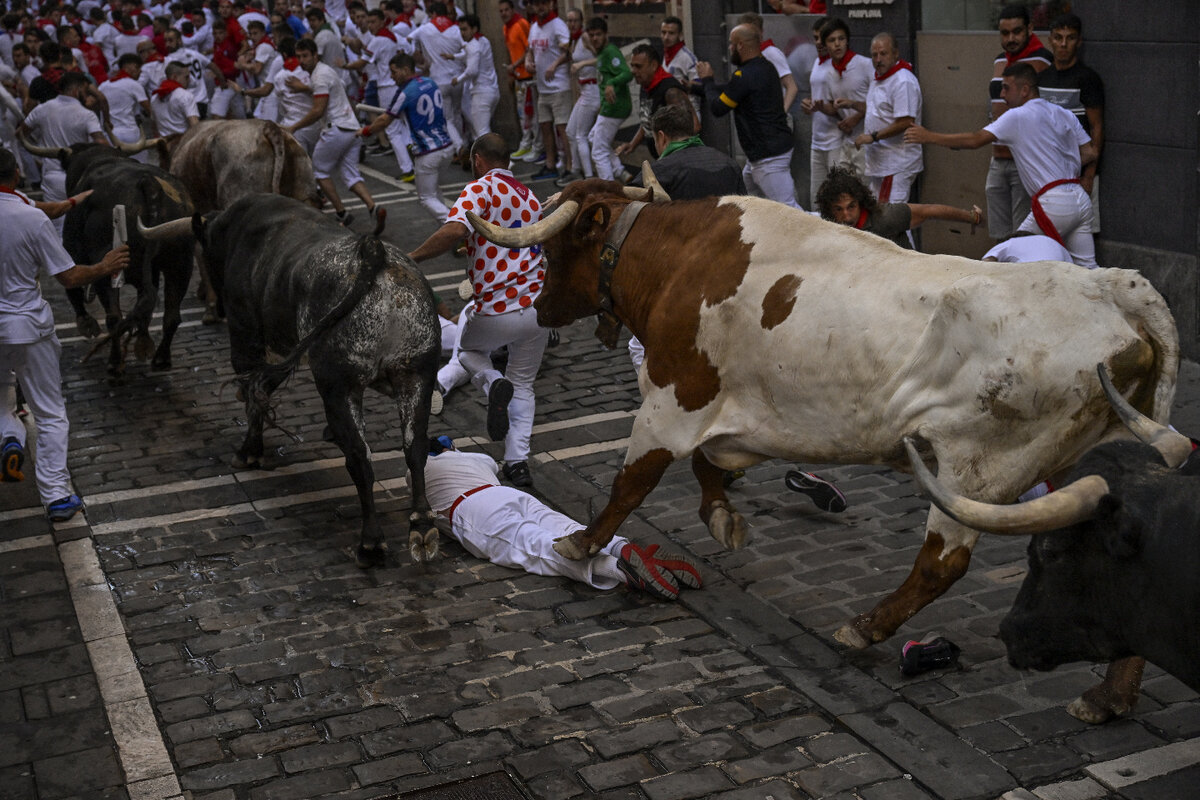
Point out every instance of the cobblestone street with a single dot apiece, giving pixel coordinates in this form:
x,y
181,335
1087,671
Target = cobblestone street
x,y
205,634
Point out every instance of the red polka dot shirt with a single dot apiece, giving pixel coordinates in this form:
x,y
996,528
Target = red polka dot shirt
x,y
504,280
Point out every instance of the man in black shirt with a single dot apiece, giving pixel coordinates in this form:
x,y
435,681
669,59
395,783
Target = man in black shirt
x,y
1076,87
755,97
658,88
688,169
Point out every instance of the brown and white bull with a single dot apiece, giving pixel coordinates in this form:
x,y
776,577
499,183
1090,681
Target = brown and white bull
x,y
772,334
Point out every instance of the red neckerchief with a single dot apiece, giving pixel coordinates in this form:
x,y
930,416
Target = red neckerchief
x,y
266,40
822,59
14,193
155,56
766,44
477,36
165,88
442,23
53,75
899,65
553,15
1034,44
385,33
840,66
402,17
290,64
120,74
862,219
670,52
574,37
521,189
658,78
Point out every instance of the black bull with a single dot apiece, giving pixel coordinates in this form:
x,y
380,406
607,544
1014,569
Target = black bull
x,y
153,196
1112,564
293,281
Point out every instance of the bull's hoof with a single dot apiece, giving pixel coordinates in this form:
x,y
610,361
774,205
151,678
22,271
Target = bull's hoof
x,y
86,326
210,316
143,346
1097,711
245,462
852,638
727,526
572,546
368,557
423,547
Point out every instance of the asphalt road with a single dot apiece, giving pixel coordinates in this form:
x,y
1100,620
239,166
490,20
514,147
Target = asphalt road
x,y
203,633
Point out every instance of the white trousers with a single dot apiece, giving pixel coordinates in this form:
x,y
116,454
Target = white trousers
x,y
308,137
337,151
820,162
479,110
452,110
36,369
513,529
428,168
1070,209
608,165
771,178
900,189
526,342
1007,200
131,135
54,188
579,128
453,374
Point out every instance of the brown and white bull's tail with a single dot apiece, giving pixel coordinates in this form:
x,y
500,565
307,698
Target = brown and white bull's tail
x,y
372,259
274,135
1147,311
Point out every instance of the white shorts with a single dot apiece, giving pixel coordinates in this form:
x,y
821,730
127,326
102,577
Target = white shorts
x,y
337,151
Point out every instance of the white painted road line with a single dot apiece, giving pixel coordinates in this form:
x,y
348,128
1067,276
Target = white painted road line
x,y
1148,764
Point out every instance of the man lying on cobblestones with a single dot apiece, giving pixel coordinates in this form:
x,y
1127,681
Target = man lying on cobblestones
x,y
29,348
513,529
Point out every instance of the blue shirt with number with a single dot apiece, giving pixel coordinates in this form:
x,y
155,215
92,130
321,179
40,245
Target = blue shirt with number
x,y
421,103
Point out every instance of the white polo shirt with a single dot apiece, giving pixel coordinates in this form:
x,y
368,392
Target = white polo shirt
x,y
327,83
825,133
1044,139
503,280
437,42
851,83
61,122
293,105
898,95
171,113
125,97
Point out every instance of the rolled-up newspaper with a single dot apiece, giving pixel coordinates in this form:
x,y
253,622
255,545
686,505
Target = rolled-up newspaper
x,y
370,109
120,237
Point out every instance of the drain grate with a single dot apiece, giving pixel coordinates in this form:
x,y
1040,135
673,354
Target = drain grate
x,y
497,785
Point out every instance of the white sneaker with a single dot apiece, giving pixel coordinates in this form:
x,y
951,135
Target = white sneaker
x,y
532,156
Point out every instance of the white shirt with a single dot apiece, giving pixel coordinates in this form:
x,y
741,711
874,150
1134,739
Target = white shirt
x,y
105,37
61,122
547,43
850,84
778,61
1022,249
451,473
196,63
825,133
480,70
327,83
125,43
29,243
329,47
201,41
293,105
153,74
898,95
171,114
1044,139
435,44
125,97
379,51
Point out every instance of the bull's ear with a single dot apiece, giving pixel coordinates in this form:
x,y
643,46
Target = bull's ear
x,y
1122,532
592,222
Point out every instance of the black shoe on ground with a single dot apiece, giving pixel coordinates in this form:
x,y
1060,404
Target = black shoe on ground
x,y
499,397
545,173
918,657
823,493
344,217
517,473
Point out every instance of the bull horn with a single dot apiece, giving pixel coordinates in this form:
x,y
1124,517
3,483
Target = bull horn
x,y
516,238
636,192
1173,447
650,182
44,152
167,230
133,148
1068,506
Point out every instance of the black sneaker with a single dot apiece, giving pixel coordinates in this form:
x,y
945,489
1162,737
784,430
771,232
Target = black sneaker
x,y
12,456
517,473
344,217
822,492
499,397
545,173
918,657
645,574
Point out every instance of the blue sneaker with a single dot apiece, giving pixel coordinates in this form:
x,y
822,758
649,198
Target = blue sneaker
x,y
62,510
12,455
544,174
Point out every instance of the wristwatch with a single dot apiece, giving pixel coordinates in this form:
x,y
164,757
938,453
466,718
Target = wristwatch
x,y
874,136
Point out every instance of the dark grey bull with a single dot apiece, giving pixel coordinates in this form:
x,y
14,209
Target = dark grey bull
x,y
162,253
1114,563
293,281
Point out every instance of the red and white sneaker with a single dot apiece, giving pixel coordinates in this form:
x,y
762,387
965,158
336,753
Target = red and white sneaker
x,y
645,574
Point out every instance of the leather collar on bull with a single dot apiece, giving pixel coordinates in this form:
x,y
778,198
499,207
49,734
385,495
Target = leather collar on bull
x,y
610,327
